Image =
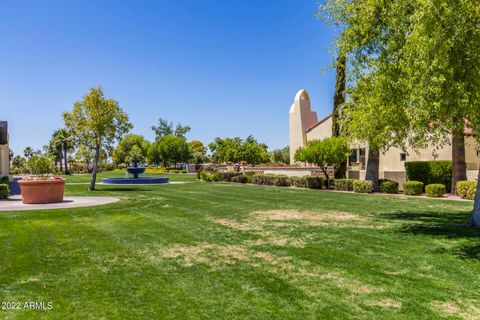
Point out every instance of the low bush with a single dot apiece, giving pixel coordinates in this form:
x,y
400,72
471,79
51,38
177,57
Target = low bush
x,y
412,188
343,184
315,182
227,176
209,176
271,180
4,180
177,171
466,189
388,186
249,175
362,186
298,182
435,190
239,179
3,191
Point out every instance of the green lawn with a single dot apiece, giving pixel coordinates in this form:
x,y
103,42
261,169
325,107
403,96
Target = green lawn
x,y
200,250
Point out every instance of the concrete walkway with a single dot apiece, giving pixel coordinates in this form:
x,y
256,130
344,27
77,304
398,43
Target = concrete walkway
x,y
14,203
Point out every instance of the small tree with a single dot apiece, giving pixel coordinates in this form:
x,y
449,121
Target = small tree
x,y
199,151
330,151
96,122
253,152
280,156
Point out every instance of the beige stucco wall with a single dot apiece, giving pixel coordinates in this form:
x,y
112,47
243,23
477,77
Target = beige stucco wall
x,y
301,117
4,161
322,131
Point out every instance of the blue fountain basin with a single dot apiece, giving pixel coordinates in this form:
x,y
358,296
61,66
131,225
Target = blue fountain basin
x,y
141,180
135,170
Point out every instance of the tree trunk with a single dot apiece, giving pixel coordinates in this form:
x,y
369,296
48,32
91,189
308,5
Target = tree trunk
x,y
325,172
475,221
95,169
459,167
61,168
339,95
65,159
373,168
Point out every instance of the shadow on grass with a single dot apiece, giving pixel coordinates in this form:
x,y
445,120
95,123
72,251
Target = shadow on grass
x,y
448,225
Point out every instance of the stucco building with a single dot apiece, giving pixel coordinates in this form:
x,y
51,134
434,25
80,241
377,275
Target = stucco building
x,y
4,151
304,127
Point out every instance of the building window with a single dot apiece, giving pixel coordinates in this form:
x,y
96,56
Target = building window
x,y
353,157
403,157
362,156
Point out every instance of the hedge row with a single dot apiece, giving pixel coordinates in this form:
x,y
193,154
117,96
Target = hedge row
x,y
3,191
430,172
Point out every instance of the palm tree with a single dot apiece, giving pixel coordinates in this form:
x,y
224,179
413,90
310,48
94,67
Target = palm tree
x,y
28,152
64,141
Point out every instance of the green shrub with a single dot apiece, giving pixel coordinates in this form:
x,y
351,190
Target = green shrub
x,y
3,191
209,176
227,176
343,184
467,189
39,164
430,172
412,188
271,180
210,169
249,175
435,190
239,179
362,186
4,180
299,182
388,186
314,182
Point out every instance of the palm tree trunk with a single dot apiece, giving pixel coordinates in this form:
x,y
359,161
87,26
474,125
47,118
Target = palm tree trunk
x,y
65,159
475,222
373,168
459,167
95,169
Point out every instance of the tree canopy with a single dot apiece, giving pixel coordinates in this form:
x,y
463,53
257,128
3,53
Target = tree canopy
x,y
330,151
169,149
96,123
166,128
124,152
235,150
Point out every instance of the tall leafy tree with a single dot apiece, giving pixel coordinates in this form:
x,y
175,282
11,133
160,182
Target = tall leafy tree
x,y
280,156
170,149
166,128
421,59
28,152
96,123
235,150
125,146
63,142
199,151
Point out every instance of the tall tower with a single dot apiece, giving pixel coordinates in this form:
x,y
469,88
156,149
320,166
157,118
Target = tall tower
x,y
301,118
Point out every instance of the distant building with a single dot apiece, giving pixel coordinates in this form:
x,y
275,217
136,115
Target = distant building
x,y
4,150
304,127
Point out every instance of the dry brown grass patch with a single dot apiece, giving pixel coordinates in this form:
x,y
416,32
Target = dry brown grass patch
x,y
312,218
387,303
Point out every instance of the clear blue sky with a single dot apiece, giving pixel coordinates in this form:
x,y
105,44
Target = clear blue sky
x,y
226,68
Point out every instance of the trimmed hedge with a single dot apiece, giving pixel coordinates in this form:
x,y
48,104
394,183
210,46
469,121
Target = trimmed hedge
x,y
227,176
209,176
388,186
249,175
343,184
298,182
315,182
239,179
467,189
271,180
412,188
430,172
362,186
435,190
3,191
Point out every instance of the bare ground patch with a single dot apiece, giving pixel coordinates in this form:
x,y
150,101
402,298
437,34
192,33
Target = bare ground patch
x,y
467,311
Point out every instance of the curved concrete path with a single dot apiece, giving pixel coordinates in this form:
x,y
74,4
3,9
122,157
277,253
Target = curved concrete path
x,y
14,203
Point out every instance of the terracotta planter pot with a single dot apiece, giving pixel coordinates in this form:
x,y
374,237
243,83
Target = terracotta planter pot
x,y
42,191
